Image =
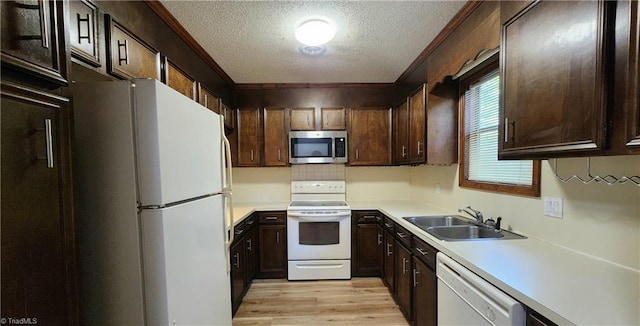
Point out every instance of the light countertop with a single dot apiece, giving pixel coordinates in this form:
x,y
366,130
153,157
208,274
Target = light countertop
x,y
563,285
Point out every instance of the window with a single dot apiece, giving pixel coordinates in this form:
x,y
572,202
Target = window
x,y
479,167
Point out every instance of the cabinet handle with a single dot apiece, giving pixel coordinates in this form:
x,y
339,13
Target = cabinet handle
x,y
250,222
249,245
415,277
87,21
237,257
404,150
308,120
252,155
238,231
49,141
389,247
357,154
279,159
401,234
420,151
404,265
271,218
379,239
422,252
44,23
124,45
277,236
369,217
389,225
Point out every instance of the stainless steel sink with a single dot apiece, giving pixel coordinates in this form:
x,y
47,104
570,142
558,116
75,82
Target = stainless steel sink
x,y
458,228
425,222
470,232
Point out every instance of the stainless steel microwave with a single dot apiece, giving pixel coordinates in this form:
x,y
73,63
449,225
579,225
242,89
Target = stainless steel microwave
x,y
317,147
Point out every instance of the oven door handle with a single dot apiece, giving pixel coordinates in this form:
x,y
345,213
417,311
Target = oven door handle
x,y
315,217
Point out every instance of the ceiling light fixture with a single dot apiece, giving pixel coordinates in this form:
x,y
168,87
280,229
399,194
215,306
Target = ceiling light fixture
x,y
315,32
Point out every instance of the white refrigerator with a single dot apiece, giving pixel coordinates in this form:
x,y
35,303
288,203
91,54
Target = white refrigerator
x,y
153,193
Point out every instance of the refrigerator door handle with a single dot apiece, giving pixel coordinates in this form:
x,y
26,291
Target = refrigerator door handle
x,y
228,227
227,181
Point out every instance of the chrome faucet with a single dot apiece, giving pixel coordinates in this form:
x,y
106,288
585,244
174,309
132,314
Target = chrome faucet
x,y
474,213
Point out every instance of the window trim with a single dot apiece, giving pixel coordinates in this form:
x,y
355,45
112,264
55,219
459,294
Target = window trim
x,y
533,190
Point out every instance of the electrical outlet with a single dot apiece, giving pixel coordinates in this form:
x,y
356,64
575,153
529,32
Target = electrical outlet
x,y
437,188
553,207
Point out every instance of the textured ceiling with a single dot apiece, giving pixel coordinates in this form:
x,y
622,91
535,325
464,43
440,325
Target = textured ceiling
x,y
254,42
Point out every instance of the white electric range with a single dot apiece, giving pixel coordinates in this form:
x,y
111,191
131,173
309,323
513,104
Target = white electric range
x,y
318,231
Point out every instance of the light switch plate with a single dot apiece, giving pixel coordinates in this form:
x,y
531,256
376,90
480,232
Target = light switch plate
x,y
553,207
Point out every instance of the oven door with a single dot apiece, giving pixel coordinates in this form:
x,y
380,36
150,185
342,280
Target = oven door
x,y
317,235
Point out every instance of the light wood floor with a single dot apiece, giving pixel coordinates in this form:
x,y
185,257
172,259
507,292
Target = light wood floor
x,y
359,301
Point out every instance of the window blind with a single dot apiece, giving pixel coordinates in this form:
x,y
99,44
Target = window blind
x,y
481,137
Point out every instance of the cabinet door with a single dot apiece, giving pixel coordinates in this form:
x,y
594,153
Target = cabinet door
x,y
276,151
237,272
370,136
273,251
417,127
32,38
38,264
83,31
303,119
249,130
177,79
403,279
333,119
229,116
442,124
401,133
425,295
367,255
553,79
208,100
389,262
128,56
251,243
633,87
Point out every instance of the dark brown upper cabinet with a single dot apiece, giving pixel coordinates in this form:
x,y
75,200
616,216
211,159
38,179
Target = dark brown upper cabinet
x,y
333,119
83,31
417,144
276,151
303,119
442,124
33,38
207,99
179,80
128,56
249,137
553,77
401,133
626,92
370,136
229,116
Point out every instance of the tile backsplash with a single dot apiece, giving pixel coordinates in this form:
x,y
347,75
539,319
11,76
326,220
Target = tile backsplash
x,y
307,172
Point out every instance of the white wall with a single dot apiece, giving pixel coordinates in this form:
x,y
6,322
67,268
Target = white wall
x,y
598,219
261,184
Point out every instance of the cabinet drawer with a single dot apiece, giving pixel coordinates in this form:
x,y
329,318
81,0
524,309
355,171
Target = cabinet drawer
x,y
367,216
403,235
129,57
238,231
250,221
425,252
388,225
272,217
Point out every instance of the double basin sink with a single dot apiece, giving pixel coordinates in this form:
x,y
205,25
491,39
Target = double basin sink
x,y
458,228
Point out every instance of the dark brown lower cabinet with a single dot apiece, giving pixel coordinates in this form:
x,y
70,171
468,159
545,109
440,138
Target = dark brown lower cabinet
x,y
389,262
237,252
403,279
273,253
425,295
366,250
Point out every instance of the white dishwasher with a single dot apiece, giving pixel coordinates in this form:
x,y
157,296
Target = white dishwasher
x,y
466,299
